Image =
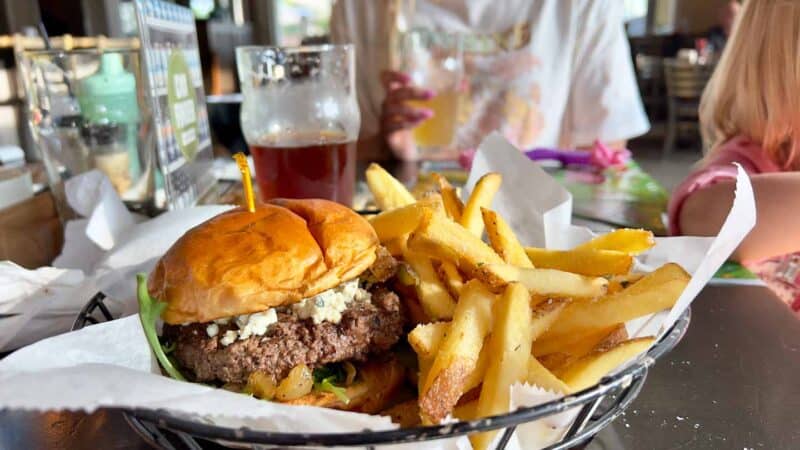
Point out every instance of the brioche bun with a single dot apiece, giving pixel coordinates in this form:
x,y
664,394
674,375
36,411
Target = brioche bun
x,y
241,262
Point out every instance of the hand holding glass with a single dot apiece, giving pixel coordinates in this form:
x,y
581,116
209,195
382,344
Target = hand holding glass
x,y
434,61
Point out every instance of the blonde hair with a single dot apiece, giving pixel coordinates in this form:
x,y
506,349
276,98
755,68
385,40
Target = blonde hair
x,y
755,88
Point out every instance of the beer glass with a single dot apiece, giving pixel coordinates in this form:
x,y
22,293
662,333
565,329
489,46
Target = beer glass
x,y
300,118
434,60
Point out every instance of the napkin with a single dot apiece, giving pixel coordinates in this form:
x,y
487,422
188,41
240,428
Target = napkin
x,y
105,218
102,253
533,203
30,292
109,365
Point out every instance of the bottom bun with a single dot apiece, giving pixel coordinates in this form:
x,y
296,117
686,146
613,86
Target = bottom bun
x,y
373,391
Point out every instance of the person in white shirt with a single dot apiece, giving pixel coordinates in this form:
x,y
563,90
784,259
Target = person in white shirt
x,y
558,75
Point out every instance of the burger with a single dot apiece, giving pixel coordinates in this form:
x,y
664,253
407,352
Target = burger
x,y
292,302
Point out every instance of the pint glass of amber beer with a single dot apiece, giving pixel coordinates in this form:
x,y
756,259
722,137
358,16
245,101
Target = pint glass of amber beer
x,y
300,119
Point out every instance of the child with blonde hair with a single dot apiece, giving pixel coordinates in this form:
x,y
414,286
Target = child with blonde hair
x,y
750,114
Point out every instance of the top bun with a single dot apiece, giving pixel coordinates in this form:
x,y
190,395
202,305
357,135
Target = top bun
x,y
241,262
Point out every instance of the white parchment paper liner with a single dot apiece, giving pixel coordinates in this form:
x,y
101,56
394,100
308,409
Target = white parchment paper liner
x,y
110,365
101,254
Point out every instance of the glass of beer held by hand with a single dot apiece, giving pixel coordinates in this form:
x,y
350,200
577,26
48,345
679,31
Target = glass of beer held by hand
x,y
300,118
434,60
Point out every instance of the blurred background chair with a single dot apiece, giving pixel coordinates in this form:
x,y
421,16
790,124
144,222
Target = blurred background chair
x,y
650,77
685,82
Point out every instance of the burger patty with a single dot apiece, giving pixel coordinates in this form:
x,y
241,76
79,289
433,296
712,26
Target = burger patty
x,y
365,328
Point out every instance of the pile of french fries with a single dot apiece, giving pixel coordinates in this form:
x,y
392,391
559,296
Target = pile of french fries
x,y
491,314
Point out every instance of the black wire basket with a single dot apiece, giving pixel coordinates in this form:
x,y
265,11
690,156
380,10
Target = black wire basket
x,y
598,406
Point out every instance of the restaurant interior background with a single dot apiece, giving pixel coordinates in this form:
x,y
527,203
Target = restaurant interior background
x,y
731,383
657,29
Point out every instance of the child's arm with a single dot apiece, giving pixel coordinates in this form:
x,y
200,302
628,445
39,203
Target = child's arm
x,y
777,230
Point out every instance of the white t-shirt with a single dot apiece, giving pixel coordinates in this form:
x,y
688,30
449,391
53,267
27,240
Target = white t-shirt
x,y
560,75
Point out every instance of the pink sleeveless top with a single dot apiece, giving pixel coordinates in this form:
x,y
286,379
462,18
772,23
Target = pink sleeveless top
x,y
781,274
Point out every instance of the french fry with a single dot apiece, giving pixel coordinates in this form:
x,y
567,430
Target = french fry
x,y
618,334
538,375
451,278
458,354
423,187
624,240
425,365
579,343
432,295
397,246
510,346
452,204
401,221
481,196
503,240
477,375
655,292
587,371
440,238
425,339
585,262
434,202
389,193
620,282
466,411
556,361
546,281
567,354
545,314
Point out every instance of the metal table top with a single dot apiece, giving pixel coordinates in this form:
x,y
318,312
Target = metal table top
x,y
731,383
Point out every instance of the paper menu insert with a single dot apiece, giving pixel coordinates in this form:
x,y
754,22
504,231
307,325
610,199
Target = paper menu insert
x,y
73,371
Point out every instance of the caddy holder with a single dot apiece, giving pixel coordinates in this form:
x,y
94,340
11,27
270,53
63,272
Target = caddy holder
x,y
599,406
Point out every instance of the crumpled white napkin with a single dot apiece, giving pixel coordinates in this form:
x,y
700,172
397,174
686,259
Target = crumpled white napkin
x,y
106,219
36,293
102,253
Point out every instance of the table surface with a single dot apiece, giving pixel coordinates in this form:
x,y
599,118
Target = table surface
x,y
731,383
619,198
623,198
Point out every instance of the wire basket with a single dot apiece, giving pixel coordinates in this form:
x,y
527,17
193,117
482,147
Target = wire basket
x,y
599,406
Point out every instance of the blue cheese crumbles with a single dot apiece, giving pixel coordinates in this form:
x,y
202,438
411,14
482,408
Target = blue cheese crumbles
x,y
326,306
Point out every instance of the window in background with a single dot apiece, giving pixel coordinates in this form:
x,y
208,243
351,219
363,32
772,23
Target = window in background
x,y
202,9
299,19
635,9
127,19
664,16
636,17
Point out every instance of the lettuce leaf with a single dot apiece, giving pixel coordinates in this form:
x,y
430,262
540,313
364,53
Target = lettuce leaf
x,y
326,376
327,385
150,311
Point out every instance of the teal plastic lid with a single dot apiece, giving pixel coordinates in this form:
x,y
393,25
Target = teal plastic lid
x,y
110,94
